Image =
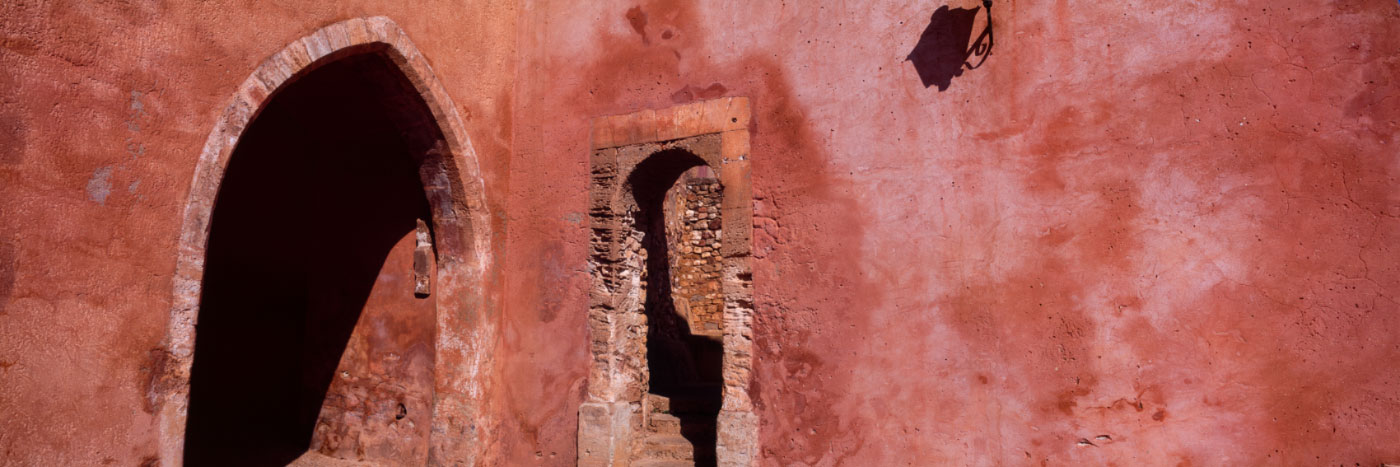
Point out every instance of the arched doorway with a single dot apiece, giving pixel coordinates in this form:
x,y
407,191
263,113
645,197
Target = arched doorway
x,y
671,346
683,340
310,332
330,258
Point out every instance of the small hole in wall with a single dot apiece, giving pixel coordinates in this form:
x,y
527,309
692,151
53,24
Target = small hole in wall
x,y
403,412
734,120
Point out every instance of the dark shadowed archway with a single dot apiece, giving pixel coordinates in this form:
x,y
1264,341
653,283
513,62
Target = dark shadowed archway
x,y
683,366
317,211
336,181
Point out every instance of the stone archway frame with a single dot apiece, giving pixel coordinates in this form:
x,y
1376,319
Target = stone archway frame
x,y
454,189
612,413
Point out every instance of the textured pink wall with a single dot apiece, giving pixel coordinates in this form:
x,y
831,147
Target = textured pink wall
x,y
1164,223
1167,224
105,110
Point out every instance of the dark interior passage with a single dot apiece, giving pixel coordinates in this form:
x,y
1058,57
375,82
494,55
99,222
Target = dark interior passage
x,y
322,186
684,367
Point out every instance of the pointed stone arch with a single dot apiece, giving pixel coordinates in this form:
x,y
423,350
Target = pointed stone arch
x,y
454,189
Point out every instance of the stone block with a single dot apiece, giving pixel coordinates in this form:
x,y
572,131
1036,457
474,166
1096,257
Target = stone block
x,y
687,121
601,133
595,438
737,439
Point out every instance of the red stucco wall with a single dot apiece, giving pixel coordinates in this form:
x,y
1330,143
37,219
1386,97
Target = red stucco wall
x,y
106,107
1141,233
1162,228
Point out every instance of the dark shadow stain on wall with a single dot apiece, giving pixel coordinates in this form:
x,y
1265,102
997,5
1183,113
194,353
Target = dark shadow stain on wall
x,y
943,51
638,19
691,93
7,274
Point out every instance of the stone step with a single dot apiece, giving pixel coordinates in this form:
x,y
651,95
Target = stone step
x,y
699,432
668,447
659,403
663,463
694,405
698,400
661,423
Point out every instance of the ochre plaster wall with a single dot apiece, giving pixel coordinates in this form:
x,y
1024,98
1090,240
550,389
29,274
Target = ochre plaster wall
x,y
105,110
1163,229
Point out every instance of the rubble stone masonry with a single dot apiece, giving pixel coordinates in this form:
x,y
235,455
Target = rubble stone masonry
x,y
693,221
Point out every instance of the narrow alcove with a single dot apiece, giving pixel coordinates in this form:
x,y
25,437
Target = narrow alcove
x,y
310,335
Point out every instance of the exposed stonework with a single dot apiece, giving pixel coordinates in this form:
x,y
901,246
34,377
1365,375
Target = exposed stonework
x,y
636,158
693,221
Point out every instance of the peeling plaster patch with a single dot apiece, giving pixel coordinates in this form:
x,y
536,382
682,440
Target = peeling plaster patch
x,y
137,112
100,185
690,93
132,187
136,106
638,19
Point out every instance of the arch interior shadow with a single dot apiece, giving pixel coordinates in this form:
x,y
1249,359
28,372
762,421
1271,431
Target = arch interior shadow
x,y
684,367
322,184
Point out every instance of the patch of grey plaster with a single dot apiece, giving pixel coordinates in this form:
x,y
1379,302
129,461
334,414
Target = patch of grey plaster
x,y
100,185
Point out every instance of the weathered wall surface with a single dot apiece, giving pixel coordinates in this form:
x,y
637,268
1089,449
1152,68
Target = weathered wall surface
x,y
105,110
1140,233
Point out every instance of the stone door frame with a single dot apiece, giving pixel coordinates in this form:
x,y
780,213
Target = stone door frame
x,y
454,189
612,414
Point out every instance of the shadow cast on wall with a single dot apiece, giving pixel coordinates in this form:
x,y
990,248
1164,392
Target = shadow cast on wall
x,y
943,52
320,188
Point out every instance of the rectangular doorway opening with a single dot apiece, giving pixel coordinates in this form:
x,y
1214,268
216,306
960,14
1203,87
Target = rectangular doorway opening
x,y
671,306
